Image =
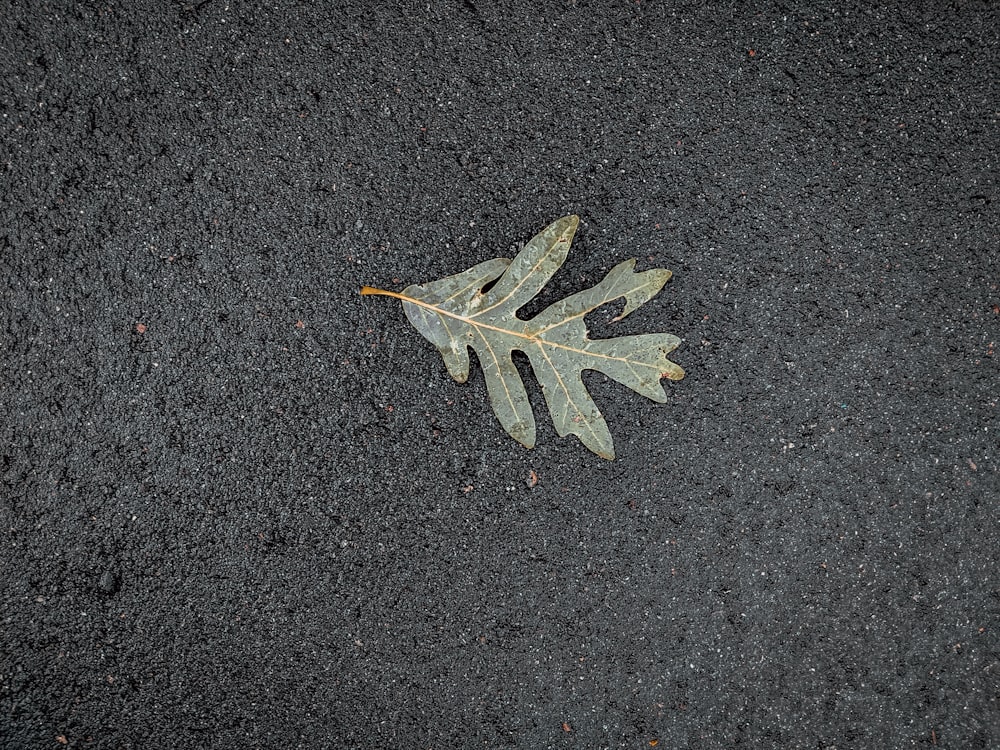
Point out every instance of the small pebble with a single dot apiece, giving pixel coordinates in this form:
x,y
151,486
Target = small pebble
x,y
108,583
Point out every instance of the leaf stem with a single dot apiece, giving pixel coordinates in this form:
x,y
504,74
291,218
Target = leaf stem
x,y
369,290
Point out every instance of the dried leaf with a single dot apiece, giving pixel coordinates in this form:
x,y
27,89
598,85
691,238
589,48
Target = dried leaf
x,y
454,314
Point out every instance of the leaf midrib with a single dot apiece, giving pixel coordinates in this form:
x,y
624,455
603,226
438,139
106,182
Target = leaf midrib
x,y
367,290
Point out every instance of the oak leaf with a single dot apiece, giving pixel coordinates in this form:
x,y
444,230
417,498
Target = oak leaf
x,y
455,313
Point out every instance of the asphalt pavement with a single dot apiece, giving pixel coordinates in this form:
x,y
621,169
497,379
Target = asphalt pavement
x,y
243,506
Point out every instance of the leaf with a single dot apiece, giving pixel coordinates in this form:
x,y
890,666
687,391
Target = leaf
x,y
455,313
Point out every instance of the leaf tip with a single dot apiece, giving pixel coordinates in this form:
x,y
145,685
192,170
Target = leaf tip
x,y
522,433
675,373
567,226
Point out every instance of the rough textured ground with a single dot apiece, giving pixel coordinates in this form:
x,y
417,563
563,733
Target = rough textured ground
x,y
242,506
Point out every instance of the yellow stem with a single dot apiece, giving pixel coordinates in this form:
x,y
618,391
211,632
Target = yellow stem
x,y
367,290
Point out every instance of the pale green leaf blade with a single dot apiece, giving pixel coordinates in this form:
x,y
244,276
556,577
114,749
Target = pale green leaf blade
x,y
560,318
532,267
573,410
457,292
506,389
444,333
454,314
638,362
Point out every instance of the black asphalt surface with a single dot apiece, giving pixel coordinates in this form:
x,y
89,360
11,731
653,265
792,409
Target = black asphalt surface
x,y
242,506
